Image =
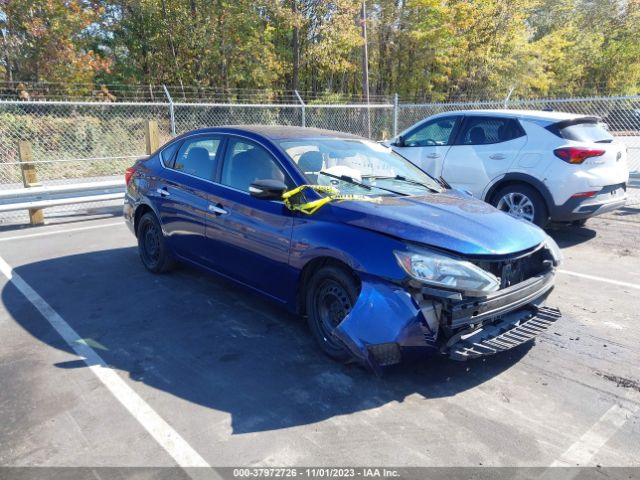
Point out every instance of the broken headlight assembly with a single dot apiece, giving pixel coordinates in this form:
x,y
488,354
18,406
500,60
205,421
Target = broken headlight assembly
x,y
439,270
554,249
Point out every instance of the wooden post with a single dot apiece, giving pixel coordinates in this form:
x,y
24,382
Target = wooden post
x,y
152,136
29,178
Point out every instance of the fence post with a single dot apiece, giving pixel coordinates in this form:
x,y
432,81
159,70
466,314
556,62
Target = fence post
x,y
29,178
303,109
172,114
395,115
506,100
152,136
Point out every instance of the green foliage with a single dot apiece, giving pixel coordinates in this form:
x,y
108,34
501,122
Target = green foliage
x,y
432,49
49,40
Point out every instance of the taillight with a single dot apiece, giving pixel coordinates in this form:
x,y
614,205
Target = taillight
x,y
576,155
128,174
584,195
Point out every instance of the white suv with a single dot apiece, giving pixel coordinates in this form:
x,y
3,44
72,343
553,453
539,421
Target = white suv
x,y
539,166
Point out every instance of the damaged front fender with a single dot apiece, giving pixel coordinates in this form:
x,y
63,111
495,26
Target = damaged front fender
x,y
384,318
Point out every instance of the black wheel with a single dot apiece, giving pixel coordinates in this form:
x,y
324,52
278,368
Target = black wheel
x,y
330,296
522,201
579,223
152,246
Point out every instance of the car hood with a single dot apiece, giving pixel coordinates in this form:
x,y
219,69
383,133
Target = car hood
x,y
450,221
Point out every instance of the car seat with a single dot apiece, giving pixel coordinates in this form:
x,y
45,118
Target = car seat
x,y
244,168
310,163
477,136
198,163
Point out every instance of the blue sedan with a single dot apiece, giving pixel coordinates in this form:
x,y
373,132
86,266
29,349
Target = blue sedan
x,y
380,258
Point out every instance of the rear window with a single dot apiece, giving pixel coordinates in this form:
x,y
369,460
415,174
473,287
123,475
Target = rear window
x,y
585,132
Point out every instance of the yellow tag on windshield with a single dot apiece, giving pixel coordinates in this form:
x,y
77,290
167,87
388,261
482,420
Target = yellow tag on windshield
x,y
332,194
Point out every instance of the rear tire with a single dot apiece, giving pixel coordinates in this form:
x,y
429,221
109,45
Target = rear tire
x,y
522,201
152,245
330,295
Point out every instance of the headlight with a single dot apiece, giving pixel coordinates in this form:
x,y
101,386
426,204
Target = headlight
x,y
440,270
556,254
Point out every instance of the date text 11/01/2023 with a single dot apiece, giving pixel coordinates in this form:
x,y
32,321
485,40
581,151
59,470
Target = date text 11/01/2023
x,y
316,472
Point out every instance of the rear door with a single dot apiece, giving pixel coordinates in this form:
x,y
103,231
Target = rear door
x,y
484,148
181,195
427,144
248,238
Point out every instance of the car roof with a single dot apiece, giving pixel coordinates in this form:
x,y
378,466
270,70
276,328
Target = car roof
x,y
527,114
280,132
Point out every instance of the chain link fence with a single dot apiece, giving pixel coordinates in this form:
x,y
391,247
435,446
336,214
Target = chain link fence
x,y
89,140
74,141
189,116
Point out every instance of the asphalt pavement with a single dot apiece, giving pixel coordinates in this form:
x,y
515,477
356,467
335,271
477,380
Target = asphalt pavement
x,y
186,369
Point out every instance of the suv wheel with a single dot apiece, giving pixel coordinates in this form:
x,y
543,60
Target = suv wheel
x,y
522,201
330,296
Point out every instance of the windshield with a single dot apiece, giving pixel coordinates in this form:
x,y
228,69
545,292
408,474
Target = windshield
x,y
359,167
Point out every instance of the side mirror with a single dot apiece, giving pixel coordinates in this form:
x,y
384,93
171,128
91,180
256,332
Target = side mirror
x,y
267,189
398,141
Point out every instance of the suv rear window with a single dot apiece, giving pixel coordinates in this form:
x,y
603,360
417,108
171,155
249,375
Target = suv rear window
x,y
584,132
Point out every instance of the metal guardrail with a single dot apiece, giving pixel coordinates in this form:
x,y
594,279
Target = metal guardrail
x,y
56,195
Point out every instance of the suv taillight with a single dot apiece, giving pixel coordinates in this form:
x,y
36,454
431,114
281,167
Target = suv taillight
x,y
576,155
128,174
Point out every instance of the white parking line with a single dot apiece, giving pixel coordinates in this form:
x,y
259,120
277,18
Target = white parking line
x,y
57,232
176,446
600,279
588,445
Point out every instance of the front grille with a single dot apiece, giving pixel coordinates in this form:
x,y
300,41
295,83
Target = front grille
x,y
515,270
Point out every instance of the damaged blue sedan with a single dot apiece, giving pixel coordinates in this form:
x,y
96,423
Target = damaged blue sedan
x,y
380,258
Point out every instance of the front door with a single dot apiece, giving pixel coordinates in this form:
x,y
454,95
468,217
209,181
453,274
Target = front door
x,y
249,239
428,143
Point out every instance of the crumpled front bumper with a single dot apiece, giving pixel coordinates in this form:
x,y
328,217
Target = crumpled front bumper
x,y
512,330
387,318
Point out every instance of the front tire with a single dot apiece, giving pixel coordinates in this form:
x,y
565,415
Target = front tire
x,y
152,245
330,295
522,201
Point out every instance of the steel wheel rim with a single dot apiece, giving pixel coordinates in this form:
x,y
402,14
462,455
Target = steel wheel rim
x,y
517,205
332,304
151,243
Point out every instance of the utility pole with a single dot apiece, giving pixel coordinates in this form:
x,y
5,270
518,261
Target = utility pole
x,y
365,64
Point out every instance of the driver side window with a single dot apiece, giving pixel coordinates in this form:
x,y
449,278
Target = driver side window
x,y
436,132
246,162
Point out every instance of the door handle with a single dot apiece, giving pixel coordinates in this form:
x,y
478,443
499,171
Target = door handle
x,y
163,192
433,155
217,210
497,156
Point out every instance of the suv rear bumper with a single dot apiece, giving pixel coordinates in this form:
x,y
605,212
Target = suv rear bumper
x,y
580,208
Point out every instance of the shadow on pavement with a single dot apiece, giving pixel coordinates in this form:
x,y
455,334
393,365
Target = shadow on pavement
x,y
570,235
209,342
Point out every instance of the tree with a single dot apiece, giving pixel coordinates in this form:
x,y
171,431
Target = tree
x,y
46,40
